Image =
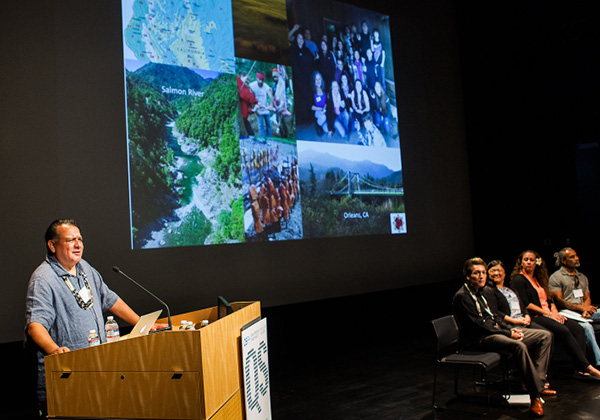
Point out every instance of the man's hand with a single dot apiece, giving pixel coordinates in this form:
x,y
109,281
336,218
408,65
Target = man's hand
x,y
158,326
59,350
41,337
590,309
516,334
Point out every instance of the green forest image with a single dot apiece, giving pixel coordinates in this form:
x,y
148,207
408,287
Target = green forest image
x,y
184,157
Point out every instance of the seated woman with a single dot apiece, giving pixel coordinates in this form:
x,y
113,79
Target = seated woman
x,y
361,105
319,106
381,108
502,299
505,304
346,92
529,279
337,115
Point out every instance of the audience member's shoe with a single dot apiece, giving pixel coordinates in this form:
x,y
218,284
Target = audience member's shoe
x,y
595,373
548,392
536,409
586,377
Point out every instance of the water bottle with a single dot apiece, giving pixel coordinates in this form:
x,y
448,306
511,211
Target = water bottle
x,y
183,325
93,338
204,323
112,330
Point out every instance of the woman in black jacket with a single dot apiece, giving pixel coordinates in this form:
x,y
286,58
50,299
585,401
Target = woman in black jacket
x,y
504,301
506,304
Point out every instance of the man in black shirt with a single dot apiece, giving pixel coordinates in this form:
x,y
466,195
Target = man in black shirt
x,y
480,329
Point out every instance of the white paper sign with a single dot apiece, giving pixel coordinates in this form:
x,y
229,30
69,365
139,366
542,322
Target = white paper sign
x,y
255,359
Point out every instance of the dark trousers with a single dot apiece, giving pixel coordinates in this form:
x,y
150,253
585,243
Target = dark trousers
x,y
531,355
571,335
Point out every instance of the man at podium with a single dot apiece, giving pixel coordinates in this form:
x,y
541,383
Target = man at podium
x,y
66,298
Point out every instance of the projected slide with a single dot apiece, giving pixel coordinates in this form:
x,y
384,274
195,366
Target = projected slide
x,y
259,121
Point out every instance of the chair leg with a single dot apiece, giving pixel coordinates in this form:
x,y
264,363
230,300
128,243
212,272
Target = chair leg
x,y
455,380
506,377
484,381
434,386
487,390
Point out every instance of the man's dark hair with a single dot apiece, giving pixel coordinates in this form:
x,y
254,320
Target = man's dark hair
x,y
468,266
560,256
51,232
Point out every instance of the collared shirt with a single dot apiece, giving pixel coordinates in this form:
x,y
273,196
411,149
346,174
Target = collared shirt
x,y
565,282
51,303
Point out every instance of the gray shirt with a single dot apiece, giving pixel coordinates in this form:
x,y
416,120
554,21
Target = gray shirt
x,y
51,303
563,281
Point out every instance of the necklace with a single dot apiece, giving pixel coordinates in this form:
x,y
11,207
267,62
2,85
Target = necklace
x,y
82,304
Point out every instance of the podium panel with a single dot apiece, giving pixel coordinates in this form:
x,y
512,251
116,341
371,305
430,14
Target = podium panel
x,y
131,393
168,375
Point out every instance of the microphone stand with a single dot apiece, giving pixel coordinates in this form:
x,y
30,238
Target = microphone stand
x,y
170,327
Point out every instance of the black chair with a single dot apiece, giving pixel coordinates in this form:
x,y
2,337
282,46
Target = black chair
x,y
447,353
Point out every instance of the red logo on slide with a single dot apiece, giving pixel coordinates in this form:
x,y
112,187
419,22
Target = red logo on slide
x,y
398,222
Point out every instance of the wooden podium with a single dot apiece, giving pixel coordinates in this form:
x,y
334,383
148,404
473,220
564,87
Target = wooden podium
x,y
167,375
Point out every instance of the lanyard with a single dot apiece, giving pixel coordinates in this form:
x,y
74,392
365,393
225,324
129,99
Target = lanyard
x,y
487,308
78,298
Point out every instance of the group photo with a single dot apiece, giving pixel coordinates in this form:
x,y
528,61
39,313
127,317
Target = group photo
x,y
344,79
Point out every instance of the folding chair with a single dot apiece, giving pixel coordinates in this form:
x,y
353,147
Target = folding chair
x,y
447,353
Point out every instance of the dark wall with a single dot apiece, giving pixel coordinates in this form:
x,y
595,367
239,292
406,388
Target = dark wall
x,y
63,154
530,86
529,72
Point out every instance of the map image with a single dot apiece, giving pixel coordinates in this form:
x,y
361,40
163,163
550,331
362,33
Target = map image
x,y
194,33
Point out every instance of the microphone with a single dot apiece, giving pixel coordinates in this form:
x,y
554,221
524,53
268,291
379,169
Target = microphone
x,y
170,327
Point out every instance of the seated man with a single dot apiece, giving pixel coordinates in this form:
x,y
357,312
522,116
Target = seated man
x,y
570,290
480,329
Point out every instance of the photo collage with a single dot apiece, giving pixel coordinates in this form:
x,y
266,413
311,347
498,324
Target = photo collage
x,y
261,120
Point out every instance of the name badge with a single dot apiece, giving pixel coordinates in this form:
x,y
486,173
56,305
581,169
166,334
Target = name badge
x,y
578,293
84,294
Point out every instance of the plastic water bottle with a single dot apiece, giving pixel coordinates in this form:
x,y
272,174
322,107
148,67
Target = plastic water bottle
x,y
204,323
112,330
93,339
183,325
191,325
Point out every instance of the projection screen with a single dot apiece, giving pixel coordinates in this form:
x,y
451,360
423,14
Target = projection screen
x,y
259,121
